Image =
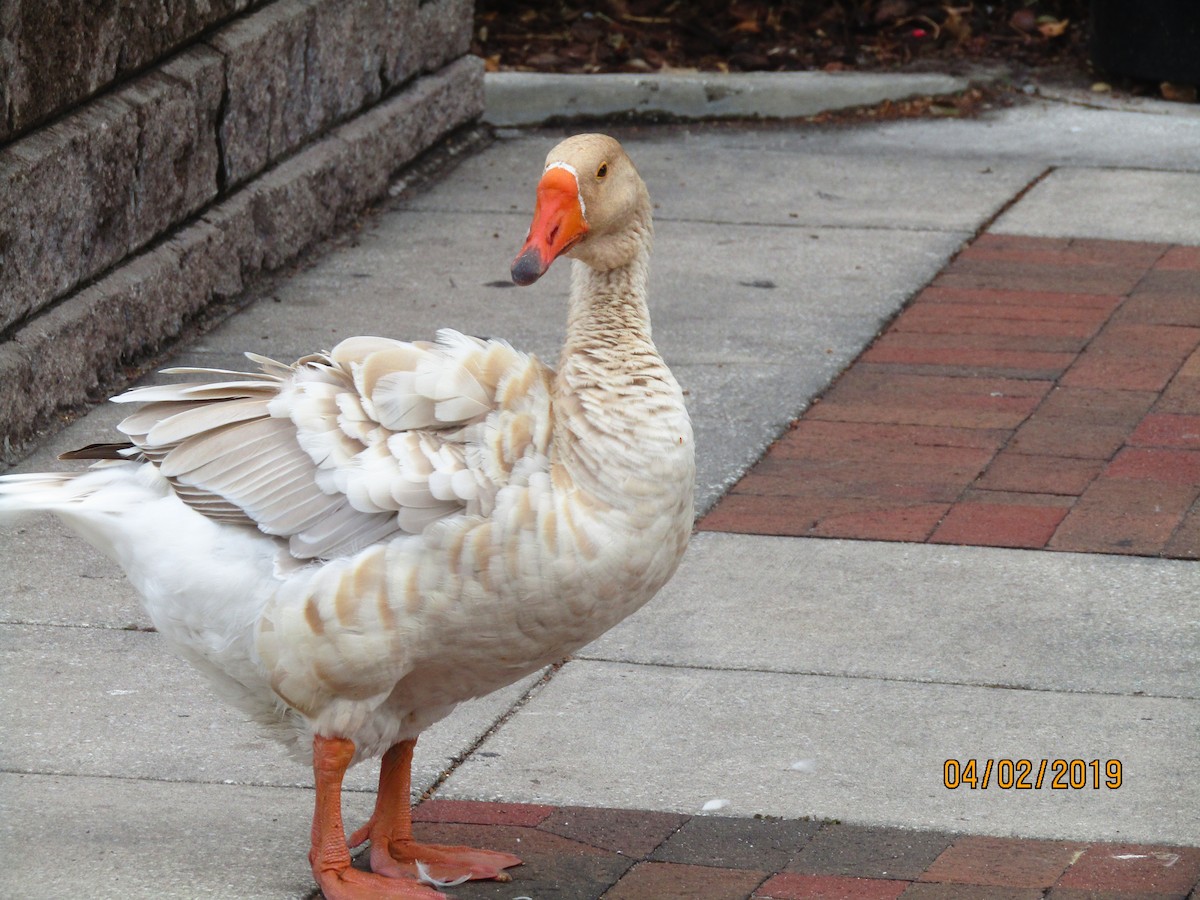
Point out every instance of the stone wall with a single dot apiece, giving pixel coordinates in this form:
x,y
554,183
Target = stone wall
x,y
200,151
56,53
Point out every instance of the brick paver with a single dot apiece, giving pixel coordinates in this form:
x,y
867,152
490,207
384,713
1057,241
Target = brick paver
x,y
890,853
790,886
1135,867
677,881
1003,862
1040,393
634,834
736,842
926,891
574,853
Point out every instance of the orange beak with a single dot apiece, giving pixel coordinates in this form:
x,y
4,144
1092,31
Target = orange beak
x,y
558,225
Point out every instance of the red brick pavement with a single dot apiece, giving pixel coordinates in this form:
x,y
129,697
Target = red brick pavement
x,y
574,853
1040,393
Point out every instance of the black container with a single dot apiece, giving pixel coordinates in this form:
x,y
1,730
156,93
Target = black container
x,y
1158,40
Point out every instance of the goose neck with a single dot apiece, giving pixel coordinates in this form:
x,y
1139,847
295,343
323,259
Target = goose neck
x,y
608,308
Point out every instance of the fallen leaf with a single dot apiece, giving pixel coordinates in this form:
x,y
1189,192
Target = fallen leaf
x,y
1053,29
544,60
647,20
955,25
890,10
1024,20
1178,93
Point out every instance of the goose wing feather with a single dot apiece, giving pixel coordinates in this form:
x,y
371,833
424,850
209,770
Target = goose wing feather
x,y
343,449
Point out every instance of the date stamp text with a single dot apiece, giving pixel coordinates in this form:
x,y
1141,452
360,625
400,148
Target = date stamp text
x,y
1033,774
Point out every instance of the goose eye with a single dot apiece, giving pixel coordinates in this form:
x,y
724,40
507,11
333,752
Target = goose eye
x,y
602,171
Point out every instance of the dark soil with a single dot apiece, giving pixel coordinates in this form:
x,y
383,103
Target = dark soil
x,y
1047,39
759,36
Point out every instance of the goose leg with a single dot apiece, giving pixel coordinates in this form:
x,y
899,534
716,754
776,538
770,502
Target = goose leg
x,y
394,852
329,856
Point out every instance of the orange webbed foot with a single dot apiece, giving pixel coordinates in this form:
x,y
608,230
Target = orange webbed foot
x,y
329,857
351,884
395,854
445,865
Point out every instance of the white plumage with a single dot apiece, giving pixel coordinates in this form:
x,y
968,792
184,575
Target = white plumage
x,y
351,545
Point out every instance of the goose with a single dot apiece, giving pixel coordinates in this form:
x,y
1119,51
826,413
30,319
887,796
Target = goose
x,y
351,545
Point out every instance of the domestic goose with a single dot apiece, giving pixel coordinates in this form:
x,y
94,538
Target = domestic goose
x,y
351,545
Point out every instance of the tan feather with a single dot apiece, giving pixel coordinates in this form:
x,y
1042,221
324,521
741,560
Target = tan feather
x,y
224,390
198,418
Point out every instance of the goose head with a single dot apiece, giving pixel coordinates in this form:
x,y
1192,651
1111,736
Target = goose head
x,y
591,205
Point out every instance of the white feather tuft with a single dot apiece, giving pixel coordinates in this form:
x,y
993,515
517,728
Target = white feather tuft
x,y
425,878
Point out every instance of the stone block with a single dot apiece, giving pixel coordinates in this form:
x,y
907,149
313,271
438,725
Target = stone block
x,y
443,33
270,220
175,172
298,67
305,197
62,357
388,137
80,195
77,350
17,413
55,53
64,204
401,41
264,72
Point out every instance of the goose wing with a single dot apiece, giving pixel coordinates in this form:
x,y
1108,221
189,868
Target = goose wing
x,y
343,449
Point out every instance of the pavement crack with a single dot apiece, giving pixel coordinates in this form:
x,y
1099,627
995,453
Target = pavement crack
x,y
1005,207
143,628
108,776
863,676
534,689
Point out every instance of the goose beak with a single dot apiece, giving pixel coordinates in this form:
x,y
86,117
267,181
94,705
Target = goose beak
x,y
558,225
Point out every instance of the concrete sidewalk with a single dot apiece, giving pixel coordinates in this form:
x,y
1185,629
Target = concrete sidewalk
x,y
783,676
